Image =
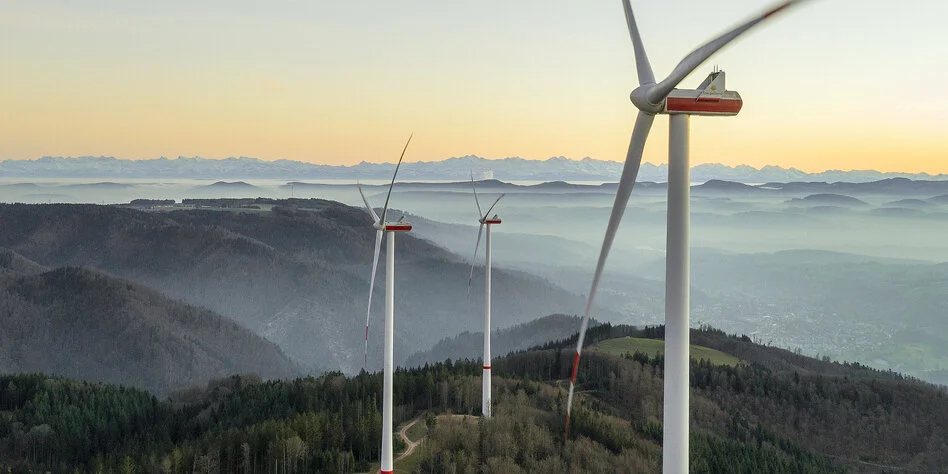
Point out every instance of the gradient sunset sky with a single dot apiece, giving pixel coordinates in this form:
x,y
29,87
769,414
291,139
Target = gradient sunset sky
x,y
831,84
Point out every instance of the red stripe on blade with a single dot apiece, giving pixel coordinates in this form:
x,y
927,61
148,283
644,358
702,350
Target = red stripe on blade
x,y
776,10
566,429
572,378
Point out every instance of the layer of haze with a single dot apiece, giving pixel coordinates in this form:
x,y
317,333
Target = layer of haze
x,y
856,272
825,85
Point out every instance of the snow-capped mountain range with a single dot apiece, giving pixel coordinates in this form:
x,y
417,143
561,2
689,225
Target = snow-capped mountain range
x,y
457,168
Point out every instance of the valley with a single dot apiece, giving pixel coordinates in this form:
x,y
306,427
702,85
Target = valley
x,y
296,274
805,266
274,289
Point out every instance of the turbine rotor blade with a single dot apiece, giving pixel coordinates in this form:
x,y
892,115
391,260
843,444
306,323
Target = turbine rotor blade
x,y
633,160
367,206
392,185
474,260
646,76
494,204
368,313
480,215
700,55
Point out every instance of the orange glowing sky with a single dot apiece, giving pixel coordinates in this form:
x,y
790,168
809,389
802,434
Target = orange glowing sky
x,y
841,84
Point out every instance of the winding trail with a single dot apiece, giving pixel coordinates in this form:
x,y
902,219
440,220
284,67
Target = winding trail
x,y
410,445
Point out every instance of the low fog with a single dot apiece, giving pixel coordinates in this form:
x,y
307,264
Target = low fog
x,y
831,270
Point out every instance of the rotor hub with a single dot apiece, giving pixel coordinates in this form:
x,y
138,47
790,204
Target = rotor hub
x,y
639,98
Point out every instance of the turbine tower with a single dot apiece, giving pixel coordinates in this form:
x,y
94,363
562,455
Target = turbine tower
x,y
389,228
485,220
651,98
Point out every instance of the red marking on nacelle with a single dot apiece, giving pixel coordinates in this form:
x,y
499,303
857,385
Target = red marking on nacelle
x,y
492,221
703,106
397,227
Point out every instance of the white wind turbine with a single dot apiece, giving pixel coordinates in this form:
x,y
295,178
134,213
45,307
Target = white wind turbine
x,y
710,98
485,219
381,225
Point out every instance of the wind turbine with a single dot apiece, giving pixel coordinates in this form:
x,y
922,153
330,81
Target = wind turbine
x,y
485,219
651,98
382,225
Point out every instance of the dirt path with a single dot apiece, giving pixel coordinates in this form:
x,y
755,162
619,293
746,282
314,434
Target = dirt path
x,y
410,445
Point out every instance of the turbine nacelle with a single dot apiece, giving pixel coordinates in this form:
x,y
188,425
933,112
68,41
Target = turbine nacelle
x,y
711,98
490,220
397,227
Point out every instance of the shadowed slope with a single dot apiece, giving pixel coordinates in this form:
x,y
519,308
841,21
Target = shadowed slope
x,y
83,324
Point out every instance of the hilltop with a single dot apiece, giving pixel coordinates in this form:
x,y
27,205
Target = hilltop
x,y
470,345
827,199
14,264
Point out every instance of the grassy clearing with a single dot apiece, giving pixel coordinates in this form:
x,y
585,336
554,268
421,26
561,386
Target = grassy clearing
x,y
417,431
652,347
410,463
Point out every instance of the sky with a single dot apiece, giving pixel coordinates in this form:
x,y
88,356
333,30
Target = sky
x,y
830,84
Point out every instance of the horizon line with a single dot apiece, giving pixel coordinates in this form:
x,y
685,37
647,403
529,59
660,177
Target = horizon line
x,y
543,160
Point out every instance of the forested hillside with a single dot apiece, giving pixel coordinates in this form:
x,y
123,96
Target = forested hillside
x,y
86,325
14,264
778,412
294,271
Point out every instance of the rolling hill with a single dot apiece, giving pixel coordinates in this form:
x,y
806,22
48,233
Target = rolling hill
x,y
83,324
296,273
829,199
14,264
652,347
778,413
470,345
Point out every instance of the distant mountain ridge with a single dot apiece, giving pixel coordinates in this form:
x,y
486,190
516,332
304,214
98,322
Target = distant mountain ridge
x,y
938,190
455,168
